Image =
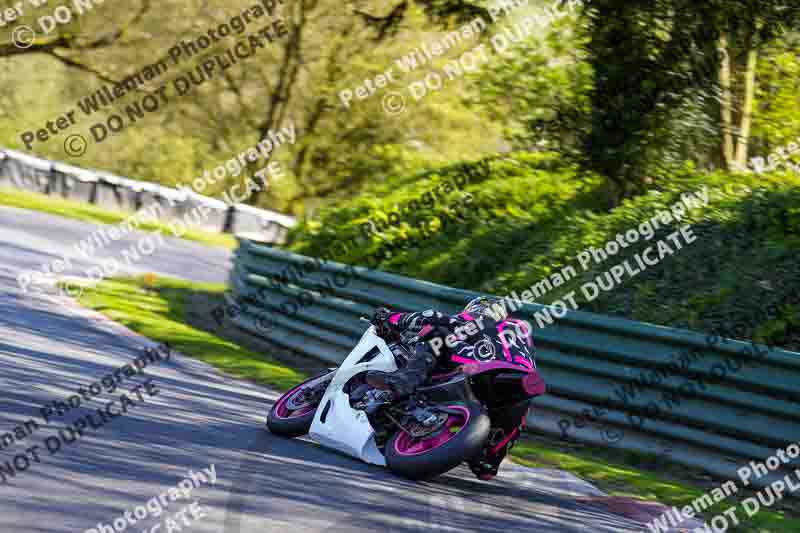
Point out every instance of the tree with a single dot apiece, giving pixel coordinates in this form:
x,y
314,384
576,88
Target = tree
x,y
649,57
646,57
330,46
747,28
776,121
64,41
539,89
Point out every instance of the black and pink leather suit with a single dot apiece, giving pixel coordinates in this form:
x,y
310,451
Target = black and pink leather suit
x,y
413,332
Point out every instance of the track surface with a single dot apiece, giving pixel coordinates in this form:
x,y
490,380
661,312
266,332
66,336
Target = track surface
x,y
49,348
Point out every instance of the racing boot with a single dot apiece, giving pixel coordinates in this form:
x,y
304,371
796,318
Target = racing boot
x,y
486,465
507,426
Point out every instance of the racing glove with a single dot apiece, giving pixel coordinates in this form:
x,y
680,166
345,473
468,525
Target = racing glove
x,y
380,319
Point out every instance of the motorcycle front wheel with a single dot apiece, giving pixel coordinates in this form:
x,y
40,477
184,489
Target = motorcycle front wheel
x,y
292,414
460,439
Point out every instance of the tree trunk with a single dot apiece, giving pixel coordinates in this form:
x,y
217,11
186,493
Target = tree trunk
x,y
281,95
743,142
726,105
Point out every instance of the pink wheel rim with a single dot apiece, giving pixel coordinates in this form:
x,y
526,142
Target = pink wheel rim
x,y
284,412
405,444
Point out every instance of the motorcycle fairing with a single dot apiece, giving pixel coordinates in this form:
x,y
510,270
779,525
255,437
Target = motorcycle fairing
x,y
336,424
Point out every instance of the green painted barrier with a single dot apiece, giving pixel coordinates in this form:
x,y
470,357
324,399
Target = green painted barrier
x,y
726,396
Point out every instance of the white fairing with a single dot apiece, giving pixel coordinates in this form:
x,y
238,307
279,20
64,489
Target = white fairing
x,y
346,429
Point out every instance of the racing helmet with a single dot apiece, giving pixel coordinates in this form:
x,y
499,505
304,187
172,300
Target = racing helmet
x,y
481,305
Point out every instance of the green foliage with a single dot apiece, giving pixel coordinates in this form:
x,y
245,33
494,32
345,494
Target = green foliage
x,y
631,87
642,58
501,197
339,149
777,109
529,216
657,70
539,89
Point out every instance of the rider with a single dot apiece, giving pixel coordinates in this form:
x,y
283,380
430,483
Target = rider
x,y
411,337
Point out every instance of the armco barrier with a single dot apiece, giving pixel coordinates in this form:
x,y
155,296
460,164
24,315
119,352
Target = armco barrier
x,y
34,174
583,357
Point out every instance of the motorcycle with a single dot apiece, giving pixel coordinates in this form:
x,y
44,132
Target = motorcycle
x,y
443,423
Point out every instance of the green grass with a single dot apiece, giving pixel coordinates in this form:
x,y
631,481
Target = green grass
x,y
158,311
91,213
631,475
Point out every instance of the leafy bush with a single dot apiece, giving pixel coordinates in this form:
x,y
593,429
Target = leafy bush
x,y
520,218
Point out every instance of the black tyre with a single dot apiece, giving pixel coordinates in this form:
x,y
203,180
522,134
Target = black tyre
x,y
292,414
461,439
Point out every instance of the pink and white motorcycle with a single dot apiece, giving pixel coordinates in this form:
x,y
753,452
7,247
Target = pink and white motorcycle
x,y
445,422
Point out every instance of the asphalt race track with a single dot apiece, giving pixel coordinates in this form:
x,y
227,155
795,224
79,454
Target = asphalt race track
x,y
30,239
49,348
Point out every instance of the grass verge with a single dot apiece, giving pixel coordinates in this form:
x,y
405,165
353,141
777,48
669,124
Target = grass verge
x,y
92,213
159,309
651,478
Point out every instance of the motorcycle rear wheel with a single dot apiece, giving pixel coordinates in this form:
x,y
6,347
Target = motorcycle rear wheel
x,y
461,439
